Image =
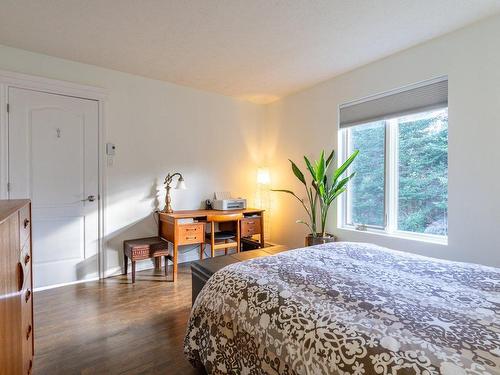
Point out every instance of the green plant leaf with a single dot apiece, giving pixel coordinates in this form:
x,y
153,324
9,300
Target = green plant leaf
x,y
305,223
285,191
330,158
344,166
320,168
310,167
344,181
297,172
321,191
337,193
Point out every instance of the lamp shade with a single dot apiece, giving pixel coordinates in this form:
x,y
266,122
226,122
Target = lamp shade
x,y
181,185
263,176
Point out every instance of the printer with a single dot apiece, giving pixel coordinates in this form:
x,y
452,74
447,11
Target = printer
x,y
223,201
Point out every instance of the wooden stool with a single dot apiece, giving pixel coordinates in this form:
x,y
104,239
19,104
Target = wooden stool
x,y
145,248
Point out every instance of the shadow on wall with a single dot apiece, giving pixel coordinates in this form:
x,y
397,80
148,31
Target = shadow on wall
x,y
113,242
146,226
87,268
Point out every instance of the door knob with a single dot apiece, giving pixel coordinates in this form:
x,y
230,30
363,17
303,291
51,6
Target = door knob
x,y
90,198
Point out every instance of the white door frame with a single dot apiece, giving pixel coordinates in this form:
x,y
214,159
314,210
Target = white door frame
x,y
52,86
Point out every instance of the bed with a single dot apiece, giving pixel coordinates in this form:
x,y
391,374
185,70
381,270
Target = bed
x,y
347,308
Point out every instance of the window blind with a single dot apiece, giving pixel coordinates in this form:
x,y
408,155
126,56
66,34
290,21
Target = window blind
x,y
410,100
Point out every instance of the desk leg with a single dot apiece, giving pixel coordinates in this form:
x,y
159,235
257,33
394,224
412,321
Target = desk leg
x,y
174,261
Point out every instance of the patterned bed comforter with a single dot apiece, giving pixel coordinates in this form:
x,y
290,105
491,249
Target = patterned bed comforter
x,y
347,308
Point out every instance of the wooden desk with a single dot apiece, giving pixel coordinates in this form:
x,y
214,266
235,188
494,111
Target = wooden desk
x,y
179,234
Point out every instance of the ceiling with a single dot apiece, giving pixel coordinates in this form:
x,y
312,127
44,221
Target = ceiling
x,y
258,50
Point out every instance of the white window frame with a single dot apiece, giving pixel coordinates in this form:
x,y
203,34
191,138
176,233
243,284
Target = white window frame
x,y
391,178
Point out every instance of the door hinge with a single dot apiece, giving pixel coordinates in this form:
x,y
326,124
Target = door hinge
x,y
8,107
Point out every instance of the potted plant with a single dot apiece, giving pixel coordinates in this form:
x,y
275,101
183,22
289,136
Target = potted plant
x,y
322,191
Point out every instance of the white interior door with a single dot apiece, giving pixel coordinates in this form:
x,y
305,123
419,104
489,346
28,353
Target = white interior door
x,y
53,160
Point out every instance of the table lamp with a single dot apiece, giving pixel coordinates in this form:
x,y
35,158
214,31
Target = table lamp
x,y
180,185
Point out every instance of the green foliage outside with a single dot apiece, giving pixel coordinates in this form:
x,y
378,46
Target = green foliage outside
x,y
423,175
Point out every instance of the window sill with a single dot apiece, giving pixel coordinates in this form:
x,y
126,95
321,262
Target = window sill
x,y
440,240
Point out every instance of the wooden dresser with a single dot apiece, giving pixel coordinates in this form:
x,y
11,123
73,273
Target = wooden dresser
x,y
16,288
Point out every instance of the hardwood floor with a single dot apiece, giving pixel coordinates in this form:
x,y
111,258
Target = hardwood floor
x,y
114,327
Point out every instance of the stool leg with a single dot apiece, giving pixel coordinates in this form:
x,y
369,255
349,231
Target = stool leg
x,y
133,271
166,265
125,258
225,249
202,249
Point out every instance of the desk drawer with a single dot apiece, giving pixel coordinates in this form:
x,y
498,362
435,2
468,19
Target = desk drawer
x,y
191,233
250,226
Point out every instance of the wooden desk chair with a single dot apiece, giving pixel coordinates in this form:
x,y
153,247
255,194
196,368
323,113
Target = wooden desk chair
x,y
227,237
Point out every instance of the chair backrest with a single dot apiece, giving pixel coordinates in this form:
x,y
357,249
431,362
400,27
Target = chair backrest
x,y
218,218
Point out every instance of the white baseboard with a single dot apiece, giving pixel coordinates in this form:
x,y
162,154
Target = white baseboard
x,y
64,284
116,271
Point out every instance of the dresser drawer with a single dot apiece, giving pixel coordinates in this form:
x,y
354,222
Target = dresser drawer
x,y
28,364
27,333
27,359
24,224
250,226
25,257
27,324
191,233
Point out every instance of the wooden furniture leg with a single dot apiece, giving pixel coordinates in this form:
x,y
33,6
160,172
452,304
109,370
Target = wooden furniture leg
x,y
174,261
133,271
238,237
125,258
225,249
166,265
202,250
157,261
212,238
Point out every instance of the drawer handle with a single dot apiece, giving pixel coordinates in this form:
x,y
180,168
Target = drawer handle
x,y
30,366
20,270
28,295
27,259
191,229
28,332
190,237
26,223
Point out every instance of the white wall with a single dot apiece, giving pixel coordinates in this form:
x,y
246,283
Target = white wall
x,y
159,128
306,122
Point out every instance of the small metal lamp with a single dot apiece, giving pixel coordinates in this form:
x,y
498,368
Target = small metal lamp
x,y
181,185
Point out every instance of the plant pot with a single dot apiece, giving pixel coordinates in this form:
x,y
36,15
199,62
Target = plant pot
x,y
318,240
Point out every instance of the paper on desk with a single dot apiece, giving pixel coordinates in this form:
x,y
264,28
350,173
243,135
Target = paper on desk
x,y
219,195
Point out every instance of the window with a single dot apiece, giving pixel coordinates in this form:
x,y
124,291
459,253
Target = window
x,y
401,182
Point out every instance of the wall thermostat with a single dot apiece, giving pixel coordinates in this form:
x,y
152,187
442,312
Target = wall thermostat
x,y
110,149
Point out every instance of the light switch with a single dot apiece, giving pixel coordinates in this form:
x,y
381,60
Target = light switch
x,y
110,149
